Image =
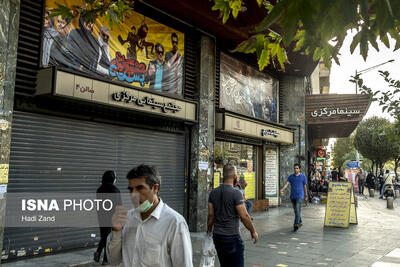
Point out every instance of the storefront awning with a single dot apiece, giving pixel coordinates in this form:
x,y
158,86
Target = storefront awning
x,y
335,115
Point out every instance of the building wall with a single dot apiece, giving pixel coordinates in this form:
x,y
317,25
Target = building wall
x,y
293,97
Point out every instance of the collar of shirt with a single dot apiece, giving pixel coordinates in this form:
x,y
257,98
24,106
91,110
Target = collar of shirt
x,y
156,212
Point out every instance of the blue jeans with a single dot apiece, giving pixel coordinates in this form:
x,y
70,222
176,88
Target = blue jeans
x,y
249,206
297,209
230,250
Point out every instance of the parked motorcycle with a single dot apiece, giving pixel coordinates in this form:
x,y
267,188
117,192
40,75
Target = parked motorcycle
x,y
389,191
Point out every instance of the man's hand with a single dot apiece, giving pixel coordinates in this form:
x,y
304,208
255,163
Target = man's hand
x,y
119,218
254,236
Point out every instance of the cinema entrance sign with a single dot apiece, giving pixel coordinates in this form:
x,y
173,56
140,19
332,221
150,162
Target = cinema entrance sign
x,y
335,115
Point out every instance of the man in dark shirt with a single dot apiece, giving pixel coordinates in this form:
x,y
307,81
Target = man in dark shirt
x,y
225,207
298,192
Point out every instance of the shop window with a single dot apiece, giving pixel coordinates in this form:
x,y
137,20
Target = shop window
x,y
244,158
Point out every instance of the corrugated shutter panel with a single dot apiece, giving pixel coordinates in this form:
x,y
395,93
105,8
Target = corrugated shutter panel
x,y
191,49
41,145
28,46
217,75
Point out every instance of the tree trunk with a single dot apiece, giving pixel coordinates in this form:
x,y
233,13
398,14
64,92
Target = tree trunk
x,y
373,166
396,165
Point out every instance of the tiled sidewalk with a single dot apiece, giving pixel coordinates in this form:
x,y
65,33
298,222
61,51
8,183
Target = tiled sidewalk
x,y
373,242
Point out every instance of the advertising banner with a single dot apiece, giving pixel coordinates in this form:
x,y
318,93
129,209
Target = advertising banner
x,y
142,52
246,91
271,173
250,190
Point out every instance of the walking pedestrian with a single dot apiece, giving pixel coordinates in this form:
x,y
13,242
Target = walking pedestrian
x,y
151,234
370,181
298,192
335,176
107,190
361,180
225,207
387,180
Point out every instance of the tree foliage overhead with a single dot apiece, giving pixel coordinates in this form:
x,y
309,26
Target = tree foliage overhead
x,y
372,141
317,27
113,11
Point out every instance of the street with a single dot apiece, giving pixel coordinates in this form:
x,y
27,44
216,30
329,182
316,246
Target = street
x,y
373,242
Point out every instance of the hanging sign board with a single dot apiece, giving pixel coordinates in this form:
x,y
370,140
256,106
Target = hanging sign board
x,y
337,212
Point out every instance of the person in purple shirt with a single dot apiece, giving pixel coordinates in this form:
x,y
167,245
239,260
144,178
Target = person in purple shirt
x,y
298,184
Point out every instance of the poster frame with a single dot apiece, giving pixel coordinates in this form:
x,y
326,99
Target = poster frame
x,y
147,11
254,67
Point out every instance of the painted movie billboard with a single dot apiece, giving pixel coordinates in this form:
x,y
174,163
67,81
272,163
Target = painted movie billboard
x,y
142,52
246,91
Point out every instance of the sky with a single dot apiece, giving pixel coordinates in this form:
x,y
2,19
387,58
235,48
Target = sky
x,y
349,63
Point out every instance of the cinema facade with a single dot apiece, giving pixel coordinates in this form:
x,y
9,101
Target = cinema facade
x,y
162,90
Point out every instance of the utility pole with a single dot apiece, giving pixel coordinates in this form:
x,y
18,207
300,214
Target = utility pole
x,y
369,69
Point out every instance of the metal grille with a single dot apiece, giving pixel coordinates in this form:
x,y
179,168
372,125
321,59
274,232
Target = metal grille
x,y
217,75
191,68
58,154
29,39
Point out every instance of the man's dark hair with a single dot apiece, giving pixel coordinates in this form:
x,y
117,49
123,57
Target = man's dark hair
x,y
228,171
387,171
297,165
150,174
174,35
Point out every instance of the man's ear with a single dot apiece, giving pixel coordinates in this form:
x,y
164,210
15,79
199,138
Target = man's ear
x,y
156,188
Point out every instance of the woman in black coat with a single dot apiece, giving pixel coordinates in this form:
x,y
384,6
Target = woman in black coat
x,y
107,190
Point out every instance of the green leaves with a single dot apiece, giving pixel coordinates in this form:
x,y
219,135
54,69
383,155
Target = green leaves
x,y
267,47
226,7
319,28
113,11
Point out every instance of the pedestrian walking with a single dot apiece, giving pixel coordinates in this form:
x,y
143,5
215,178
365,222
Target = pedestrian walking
x,y
387,180
298,192
361,181
370,181
335,176
107,190
225,207
151,234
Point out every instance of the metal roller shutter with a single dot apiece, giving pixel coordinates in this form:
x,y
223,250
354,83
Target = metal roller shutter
x,y
58,154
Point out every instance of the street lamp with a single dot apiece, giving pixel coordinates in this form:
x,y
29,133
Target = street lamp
x,y
369,69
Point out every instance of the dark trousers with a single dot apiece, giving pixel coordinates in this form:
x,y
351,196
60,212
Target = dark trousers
x,y
104,231
361,187
230,250
296,203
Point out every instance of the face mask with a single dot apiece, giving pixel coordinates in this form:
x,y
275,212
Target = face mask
x,y
141,208
145,206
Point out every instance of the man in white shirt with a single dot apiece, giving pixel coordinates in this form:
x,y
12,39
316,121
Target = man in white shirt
x,y
151,234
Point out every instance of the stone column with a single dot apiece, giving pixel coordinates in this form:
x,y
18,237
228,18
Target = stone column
x,y
202,139
9,22
293,111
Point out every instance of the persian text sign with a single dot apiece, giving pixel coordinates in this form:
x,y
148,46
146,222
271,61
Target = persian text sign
x,y
75,86
271,172
337,211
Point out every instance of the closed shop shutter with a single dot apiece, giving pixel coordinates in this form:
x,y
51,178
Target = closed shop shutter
x,y
65,155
